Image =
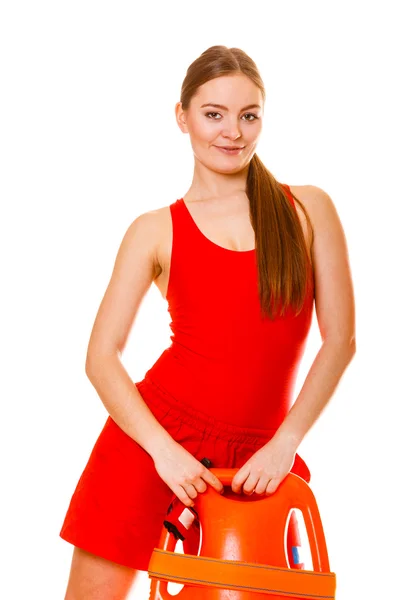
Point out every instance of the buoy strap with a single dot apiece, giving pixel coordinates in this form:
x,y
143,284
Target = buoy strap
x,y
234,575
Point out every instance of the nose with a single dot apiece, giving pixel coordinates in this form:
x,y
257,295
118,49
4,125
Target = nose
x,y
231,129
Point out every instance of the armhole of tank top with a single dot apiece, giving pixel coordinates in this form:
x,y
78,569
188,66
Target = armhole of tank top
x,y
173,244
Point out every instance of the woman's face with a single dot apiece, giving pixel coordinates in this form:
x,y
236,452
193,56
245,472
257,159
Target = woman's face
x,y
237,121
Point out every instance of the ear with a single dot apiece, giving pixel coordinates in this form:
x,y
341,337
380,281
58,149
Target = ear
x,y
181,117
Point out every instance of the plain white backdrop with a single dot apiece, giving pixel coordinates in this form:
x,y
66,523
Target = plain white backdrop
x,y
88,142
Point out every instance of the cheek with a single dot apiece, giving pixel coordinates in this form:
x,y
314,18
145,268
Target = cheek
x,y
255,132
204,130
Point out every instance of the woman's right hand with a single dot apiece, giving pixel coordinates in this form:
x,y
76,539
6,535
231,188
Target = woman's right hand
x,y
183,473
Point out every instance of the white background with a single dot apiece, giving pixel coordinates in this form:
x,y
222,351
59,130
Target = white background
x,y
88,142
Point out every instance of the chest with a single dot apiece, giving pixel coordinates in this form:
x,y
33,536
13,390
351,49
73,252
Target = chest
x,y
228,239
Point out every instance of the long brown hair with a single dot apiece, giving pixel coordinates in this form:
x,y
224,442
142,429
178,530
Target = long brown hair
x,y
283,260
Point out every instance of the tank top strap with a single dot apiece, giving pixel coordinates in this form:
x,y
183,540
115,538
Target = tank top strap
x,y
183,217
183,227
288,193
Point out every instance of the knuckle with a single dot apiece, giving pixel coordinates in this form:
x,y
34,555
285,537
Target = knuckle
x,y
188,479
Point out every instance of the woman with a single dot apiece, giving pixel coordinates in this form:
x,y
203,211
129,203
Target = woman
x,y
240,259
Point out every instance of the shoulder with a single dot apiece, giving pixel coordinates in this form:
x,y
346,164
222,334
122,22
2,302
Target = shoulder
x,y
145,236
311,196
322,213
329,244
318,204
148,225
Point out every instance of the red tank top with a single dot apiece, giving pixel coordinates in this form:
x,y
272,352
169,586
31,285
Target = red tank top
x,y
224,360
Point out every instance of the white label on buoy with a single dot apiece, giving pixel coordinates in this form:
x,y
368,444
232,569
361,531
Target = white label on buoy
x,y
186,518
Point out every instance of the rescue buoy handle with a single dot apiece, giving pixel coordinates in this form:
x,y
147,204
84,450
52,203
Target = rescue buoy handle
x,y
304,500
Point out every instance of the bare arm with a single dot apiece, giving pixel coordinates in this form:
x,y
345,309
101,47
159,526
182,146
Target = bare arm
x,y
134,270
335,310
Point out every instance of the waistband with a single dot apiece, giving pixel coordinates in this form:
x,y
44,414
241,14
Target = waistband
x,y
158,398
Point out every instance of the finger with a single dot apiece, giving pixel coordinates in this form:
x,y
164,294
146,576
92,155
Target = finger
x,y
180,493
272,486
262,485
200,486
190,490
239,479
213,481
250,484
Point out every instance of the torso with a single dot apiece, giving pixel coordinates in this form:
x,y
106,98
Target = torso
x,y
231,230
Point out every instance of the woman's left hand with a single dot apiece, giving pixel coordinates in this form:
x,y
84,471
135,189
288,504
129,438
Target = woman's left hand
x,y
266,469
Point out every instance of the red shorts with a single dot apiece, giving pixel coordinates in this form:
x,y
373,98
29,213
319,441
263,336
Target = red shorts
x,y
120,502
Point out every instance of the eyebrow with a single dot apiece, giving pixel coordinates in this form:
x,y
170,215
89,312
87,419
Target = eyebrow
x,y
225,108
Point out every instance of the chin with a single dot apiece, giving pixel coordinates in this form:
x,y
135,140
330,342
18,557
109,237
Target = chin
x,y
226,169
